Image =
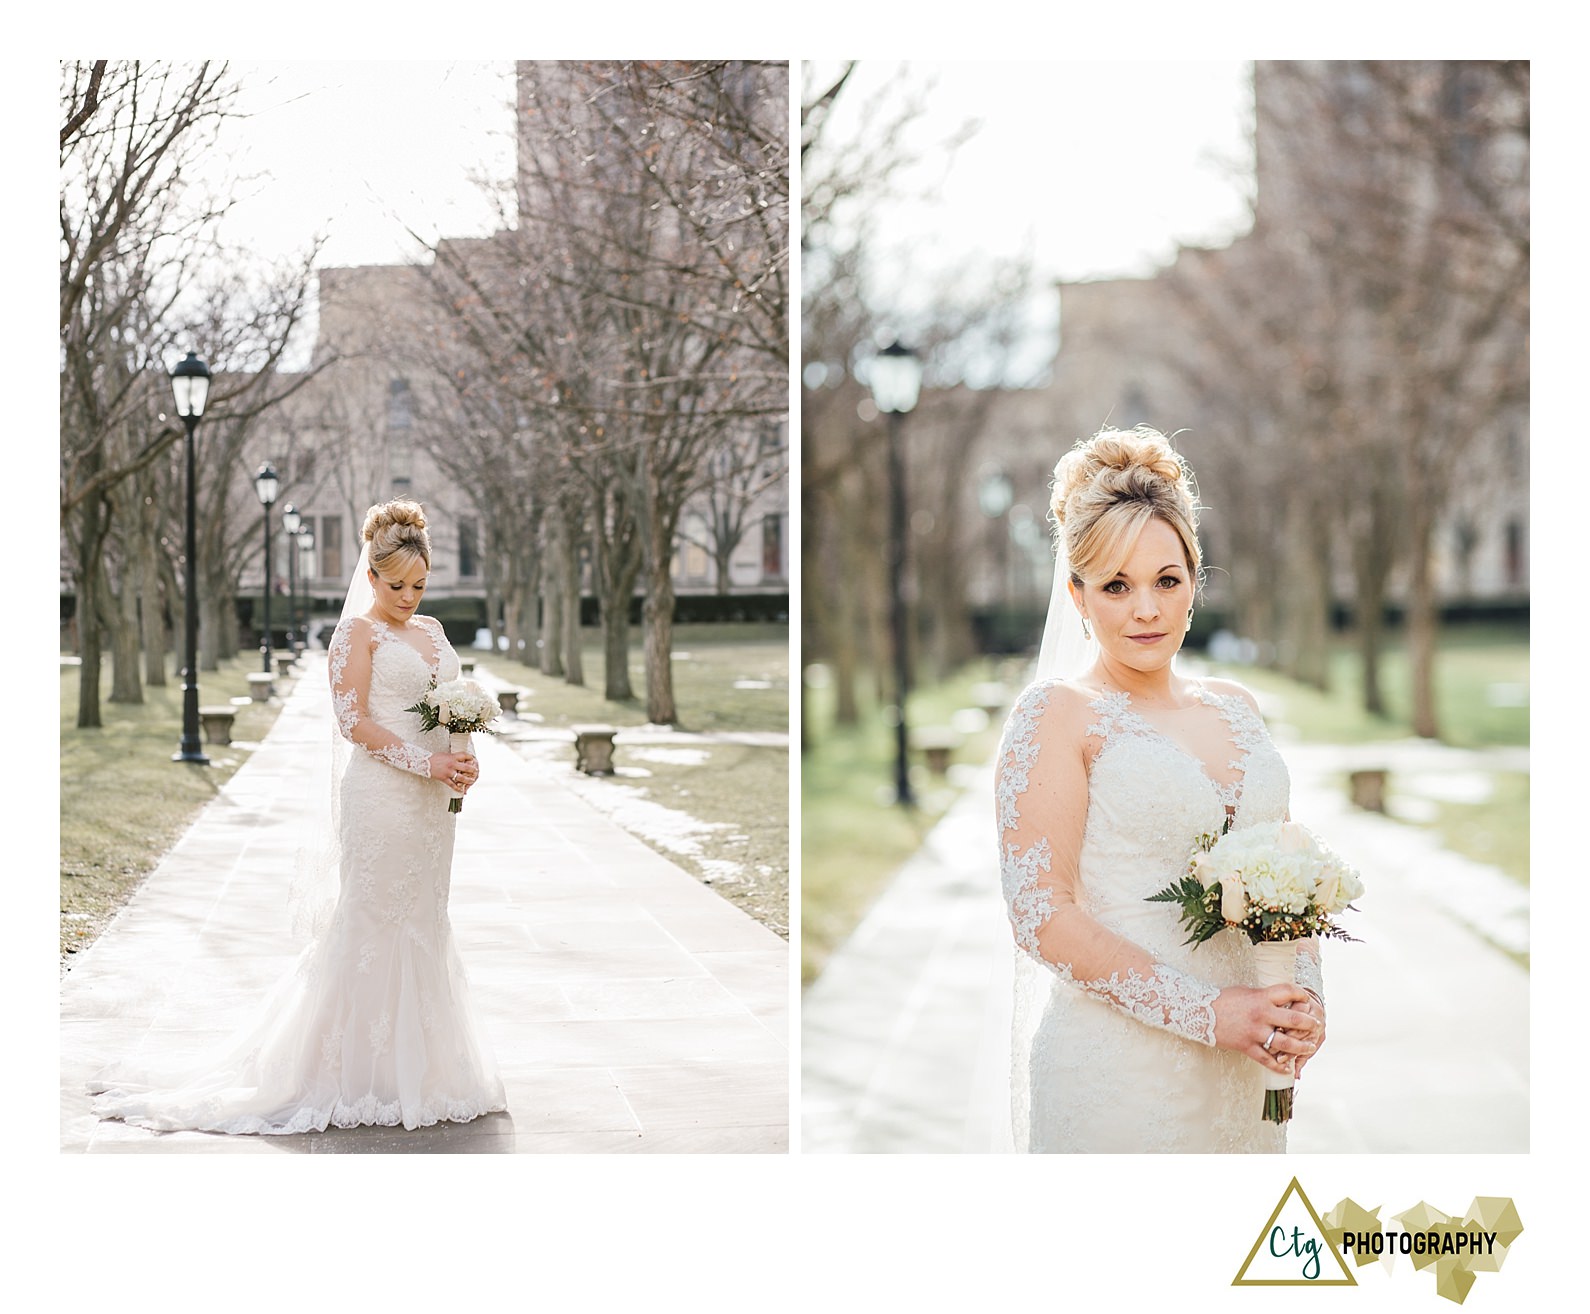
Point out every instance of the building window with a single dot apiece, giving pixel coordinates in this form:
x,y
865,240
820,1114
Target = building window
x,y
399,405
468,553
328,547
773,546
693,566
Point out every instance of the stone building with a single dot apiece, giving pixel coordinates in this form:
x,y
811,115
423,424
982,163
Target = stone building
x,y
363,429
1128,353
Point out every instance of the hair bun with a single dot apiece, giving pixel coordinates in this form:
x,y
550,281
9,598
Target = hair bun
x,y
1130,464
399,513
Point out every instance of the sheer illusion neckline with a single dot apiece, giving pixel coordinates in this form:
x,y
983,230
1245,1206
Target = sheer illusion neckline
x,y
386,632
1118,706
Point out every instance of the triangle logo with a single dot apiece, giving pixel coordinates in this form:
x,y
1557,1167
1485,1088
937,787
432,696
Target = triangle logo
x,y
1292,1249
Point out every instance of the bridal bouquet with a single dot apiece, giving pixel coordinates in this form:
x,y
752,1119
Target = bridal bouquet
x,y
460,707
1277,884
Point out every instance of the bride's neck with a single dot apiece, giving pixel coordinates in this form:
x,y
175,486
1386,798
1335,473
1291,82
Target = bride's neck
x,y
1162,685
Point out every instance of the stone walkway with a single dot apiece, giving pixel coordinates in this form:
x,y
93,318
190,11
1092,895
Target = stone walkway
x,y
630,1008
904,1037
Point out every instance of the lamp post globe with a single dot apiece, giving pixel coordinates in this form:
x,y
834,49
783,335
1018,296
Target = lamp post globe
x,y
895,378
267,485
306,568
190,386
292,522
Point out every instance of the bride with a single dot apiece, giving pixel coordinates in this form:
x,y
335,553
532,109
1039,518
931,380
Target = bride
x,y
373,1027
1124,1038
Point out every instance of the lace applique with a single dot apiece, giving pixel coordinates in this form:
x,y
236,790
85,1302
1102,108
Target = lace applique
x,y
1167,998
1029,903
1018,753
345,702
1308,974
1171,999
1247,734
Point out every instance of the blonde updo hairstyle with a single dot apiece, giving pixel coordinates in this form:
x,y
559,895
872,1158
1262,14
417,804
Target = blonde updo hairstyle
x,y
1108,487
396,534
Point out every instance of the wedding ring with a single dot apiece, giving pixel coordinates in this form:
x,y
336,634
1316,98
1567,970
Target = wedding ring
x,y
1266,1046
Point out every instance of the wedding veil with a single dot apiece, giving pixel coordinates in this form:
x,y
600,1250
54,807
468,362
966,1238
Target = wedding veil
x,y
1065,652
312,897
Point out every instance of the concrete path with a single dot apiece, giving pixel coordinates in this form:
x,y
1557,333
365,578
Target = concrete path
x,y
630,1008
905,1036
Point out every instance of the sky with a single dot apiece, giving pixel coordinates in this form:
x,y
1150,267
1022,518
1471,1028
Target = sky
x,y
1093,168
364,150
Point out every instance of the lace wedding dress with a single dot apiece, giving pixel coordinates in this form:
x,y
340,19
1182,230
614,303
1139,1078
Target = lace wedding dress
x,y
373,1026
1113,1044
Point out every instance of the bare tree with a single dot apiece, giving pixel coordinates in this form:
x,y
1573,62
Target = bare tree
x,y
129,237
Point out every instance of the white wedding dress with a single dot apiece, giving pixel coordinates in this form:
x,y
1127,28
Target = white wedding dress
x,y
373,1026
1113,1041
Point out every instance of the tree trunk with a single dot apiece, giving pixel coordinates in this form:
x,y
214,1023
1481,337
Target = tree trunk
x,y
658,614
1370,617
91,541
551,623
569,638
530,618
155,641
126,680
1423,626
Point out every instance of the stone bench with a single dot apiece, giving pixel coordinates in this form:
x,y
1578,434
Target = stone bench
x,y
593,749
466,665
261,685
508,700
1367,788
936,743
217,723
284,664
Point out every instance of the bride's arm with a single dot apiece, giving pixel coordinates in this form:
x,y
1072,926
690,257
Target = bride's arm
x,y
349,663
1042,793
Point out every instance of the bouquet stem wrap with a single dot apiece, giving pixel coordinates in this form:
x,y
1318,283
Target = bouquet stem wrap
x,y
456,743
1276,961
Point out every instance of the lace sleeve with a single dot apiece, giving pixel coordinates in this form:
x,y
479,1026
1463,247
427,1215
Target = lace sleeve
x,y
348,659
1042,798
1309,975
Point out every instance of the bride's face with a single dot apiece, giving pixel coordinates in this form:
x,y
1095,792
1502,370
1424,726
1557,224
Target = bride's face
x,y
398,593
1140,616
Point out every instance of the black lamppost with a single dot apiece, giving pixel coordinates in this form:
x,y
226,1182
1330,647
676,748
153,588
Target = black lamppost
x,y
895,377
994,495
266,485
190,383
306,566
292,522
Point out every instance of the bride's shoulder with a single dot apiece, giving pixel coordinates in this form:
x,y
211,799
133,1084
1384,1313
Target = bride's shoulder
x,y
351,630
1223,688
1053,701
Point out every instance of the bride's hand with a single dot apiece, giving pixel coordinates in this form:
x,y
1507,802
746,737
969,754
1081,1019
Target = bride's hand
x,y
1245,1018
460,770
1315,1008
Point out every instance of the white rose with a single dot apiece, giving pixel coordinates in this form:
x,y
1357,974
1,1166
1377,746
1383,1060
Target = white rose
x,y
1233,901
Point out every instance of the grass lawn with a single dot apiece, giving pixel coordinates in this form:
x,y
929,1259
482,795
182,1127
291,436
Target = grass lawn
x,y
1482,699
726,677
124,802
1482,691
720,810
853,836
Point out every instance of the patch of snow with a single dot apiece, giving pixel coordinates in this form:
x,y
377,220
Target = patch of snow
x,y
1448,786
670,830
674,756
753,684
